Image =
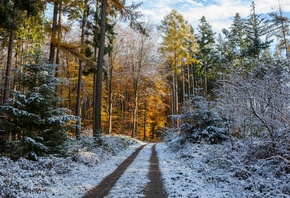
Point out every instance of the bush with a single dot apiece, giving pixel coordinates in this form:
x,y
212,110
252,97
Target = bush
x,y
32,115
201,121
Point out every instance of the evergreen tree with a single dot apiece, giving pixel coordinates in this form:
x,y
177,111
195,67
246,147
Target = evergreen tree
x,y
202,121
232,47
12,14
32,113
255,29
206,54
237,37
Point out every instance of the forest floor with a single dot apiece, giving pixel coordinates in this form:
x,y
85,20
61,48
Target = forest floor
x,y
182,170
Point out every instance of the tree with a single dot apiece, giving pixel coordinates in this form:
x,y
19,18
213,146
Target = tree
x,y
202,121
206,54
237,37
231,46
97,127
79,84
176,47
279,27
256,30
11,13
32,113
126,13
253,105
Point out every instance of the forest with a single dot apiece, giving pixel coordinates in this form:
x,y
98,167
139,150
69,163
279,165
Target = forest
x,y
67,67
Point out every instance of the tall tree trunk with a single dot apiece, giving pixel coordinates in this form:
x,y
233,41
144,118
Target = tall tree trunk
x,y
183,83
80,72
174,98
193,79
57,45
188,82
58,30
53,32
9,66
97,123
205,81
110,95
145,119
135,112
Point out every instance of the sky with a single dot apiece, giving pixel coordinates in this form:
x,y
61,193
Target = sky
x,y
219,13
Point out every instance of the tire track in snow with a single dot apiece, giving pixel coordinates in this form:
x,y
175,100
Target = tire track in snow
x,y
105,186
155,187
135,178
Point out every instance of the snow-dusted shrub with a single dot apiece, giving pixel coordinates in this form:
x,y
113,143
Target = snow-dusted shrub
x,y
110,143
32,111
174,138
257,105
115,143
27,147
258,99
89,151
201,121
87,158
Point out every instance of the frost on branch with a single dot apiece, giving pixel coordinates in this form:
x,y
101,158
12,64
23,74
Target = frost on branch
x,y
201,121
32,115
257,105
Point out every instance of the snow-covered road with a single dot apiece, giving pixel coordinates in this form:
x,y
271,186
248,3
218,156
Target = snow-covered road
x,y
60,177
135,178
188,170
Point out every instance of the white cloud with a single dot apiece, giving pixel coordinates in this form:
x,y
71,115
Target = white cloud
x,y
219,13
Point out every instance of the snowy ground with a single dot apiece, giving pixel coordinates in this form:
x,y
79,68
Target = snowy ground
x,y
186,174
68,177
190,170
135,178
207,171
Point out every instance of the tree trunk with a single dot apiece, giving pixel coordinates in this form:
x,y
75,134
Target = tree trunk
x,y
135,113
57,45
53,32
79,89
9,66
110,96
97,128
205,81
183,83
188,82
145,119
174,96
193,79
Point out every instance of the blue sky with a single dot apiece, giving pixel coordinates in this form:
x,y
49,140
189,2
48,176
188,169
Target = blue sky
x,y
219,13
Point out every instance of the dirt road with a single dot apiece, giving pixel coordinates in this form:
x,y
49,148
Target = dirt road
x,y
153,188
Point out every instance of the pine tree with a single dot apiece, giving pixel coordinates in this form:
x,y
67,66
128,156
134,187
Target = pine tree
x,y
31,114
202,121
12,15
255,30
206,54
237,37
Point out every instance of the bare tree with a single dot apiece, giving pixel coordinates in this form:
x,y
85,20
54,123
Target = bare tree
x,y
258,101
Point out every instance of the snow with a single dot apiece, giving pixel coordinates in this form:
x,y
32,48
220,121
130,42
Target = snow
x,y
186,174
62,177
188,170
32,141
135,178
220,170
